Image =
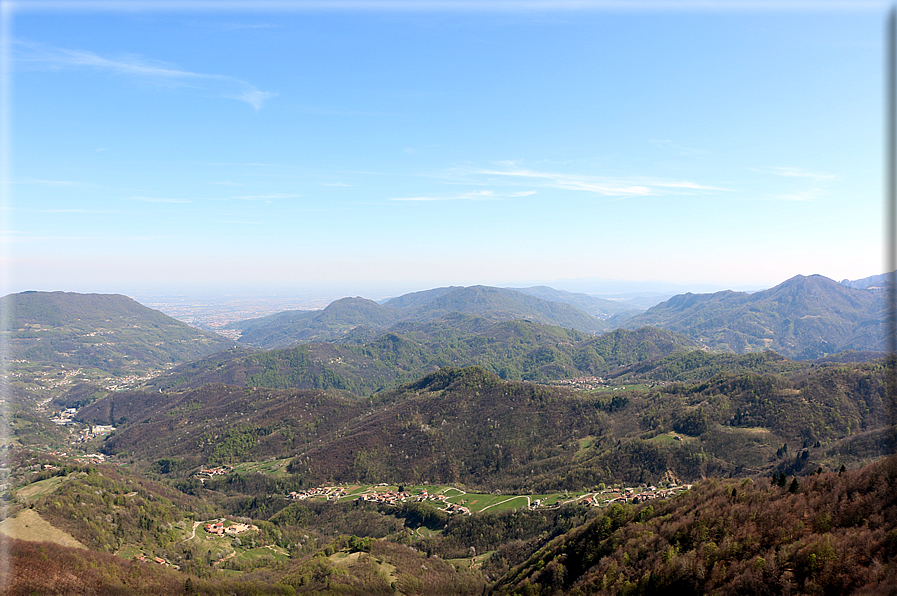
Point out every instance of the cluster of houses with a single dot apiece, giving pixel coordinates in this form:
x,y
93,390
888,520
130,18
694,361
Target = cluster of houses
x,y
392,497
459,509
583,383
219,529
628,495
219,471
64,417
158,560
127,382
387,497
331,493
92,458
92,432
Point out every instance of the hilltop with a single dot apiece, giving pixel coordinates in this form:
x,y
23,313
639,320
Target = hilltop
x,y
104,331
805,317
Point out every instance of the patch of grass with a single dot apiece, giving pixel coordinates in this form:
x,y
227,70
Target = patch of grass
x,y
129,551
275,467
672,439
38,489
264,552
508,503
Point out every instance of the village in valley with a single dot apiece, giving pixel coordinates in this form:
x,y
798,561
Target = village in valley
x,y
454,500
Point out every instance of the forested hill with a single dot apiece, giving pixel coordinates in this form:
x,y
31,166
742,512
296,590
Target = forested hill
x,y
496,304
804,318
354,318
513,350
104,331
469,426
289,328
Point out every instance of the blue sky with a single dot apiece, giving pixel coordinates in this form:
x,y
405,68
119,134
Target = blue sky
x,y
436,145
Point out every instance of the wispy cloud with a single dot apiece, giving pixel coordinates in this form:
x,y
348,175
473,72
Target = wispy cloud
x,y
613,187
153,71
270,197
793,172
476,195
339,184
48,182
159,200
75,211
804,185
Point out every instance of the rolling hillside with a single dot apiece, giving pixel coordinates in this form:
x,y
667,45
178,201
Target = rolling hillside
x,y
803,318
465,425
217,424
469,426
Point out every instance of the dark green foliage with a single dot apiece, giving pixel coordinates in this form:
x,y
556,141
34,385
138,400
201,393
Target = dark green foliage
x,y
456,425
515,350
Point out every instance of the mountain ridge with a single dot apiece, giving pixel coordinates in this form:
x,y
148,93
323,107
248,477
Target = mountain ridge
x,y
805,317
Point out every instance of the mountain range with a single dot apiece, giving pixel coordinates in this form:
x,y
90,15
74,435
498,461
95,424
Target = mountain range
x,y
805,317
354,317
